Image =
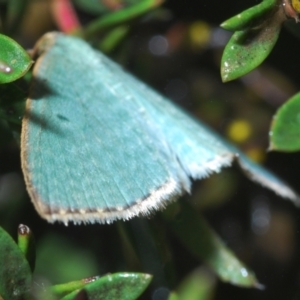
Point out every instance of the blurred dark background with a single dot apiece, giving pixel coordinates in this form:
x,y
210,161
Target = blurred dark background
x,y
177,50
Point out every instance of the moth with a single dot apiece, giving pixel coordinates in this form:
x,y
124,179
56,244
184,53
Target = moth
x,y
97,145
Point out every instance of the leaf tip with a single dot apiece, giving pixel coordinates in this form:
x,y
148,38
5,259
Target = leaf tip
x,y
147,277
227,25
259,286
225,72
271,147
224,25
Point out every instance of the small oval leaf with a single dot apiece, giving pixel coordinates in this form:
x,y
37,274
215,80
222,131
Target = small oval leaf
x,y
248,16
247,49
118,286
285,128
15,274
15,61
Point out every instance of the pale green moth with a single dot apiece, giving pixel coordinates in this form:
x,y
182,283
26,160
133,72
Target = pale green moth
x,y
98,145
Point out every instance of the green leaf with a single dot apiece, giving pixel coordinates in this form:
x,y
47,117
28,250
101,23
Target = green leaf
x,y
249,16
118,286
14,60
203,242
120,16
197,285
97,7
113,38
15,274
285,128
250,46
247,49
